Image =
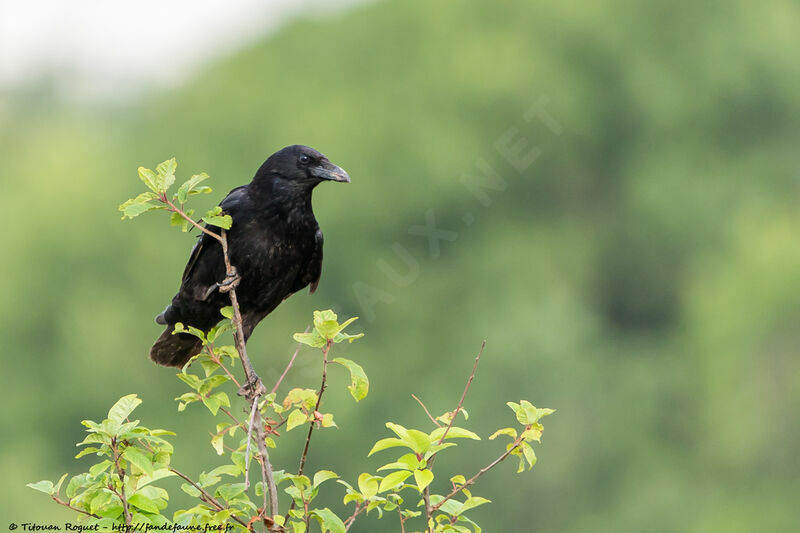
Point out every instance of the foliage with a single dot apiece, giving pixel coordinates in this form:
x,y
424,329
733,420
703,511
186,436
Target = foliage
x,y
641,275
119,489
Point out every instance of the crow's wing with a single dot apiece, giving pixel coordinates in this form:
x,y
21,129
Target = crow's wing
x,y
311,273
229,205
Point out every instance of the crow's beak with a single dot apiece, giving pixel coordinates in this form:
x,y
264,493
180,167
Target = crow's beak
x,y
330,172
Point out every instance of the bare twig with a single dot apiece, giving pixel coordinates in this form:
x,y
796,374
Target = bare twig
x,y
402,520
352,518
291,361
463,394
426,494
426,411
516,444
247,450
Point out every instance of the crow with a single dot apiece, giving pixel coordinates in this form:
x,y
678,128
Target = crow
x,y
274,244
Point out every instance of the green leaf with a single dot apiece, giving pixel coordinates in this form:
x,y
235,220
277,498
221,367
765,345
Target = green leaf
x,y
423,478
227,312
166,174
359,383
139,459
310,339
149,178
368,485
533,433
529,454
214,217
143,502
190,186
124,407
383,444
393,480
472,502
102,499
328,520
453,433
42,486
511,432
323,476
59,482
141,204
296,418
87,451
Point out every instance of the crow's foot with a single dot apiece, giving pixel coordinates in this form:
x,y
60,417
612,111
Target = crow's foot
x,y
230,282
252,388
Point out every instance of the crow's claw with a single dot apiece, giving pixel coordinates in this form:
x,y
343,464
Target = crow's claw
x,y
230,282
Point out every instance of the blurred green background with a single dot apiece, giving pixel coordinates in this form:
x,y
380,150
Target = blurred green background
x,y
641,275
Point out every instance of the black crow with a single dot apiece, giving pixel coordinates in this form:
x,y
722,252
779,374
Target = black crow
x,y
275,244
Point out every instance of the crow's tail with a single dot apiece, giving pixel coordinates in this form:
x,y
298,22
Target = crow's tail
x,y
175,350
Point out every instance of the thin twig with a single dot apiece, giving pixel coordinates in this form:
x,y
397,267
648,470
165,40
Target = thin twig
x,y
464,394
291,361
247,451
352,518
67,504
266,467
208,498
189,219
316,408
402,520
121,473
426,494
426,411
322,386
516,444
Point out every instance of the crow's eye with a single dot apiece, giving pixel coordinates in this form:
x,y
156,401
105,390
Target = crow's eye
x,y
304,159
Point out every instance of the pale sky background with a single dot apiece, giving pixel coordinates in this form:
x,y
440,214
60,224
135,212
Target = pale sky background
x,y
110,49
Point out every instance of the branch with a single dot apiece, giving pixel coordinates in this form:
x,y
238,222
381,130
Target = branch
x,y
253,388
464,394
322,386
352,518
247,451
67,504
208,498
316,408
291,362
426,494
121,474
516,444
426,411
189,219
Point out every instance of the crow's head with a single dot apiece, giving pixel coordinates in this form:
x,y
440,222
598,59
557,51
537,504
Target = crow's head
x,y
302,166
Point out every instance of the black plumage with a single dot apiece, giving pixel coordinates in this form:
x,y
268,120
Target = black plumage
x,y
275,244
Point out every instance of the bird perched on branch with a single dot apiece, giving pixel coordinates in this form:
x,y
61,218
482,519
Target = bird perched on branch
x,y
275,244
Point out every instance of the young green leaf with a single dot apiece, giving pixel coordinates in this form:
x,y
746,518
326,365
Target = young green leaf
x,y
136,457
166,174
393,480
423,478
42,486
359,383
215,217
328,520
124,407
